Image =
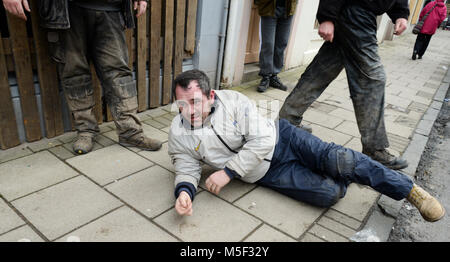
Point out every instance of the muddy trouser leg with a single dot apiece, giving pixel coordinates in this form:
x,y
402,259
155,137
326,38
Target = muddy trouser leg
x,y
313,171
111,62
365,74
75,73
324,68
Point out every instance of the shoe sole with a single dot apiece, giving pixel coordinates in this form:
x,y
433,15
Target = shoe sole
x,y
439,218
143,148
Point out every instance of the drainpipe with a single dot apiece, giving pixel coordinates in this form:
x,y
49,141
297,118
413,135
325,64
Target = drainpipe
x,y
222,35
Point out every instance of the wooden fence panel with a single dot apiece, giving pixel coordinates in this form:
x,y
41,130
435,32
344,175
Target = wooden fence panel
x,y
179,36
24,74
141,61
48,80
168,52
155,52
9,136
191,26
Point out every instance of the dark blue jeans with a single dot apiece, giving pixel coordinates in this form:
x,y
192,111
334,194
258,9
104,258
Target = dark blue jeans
x,y
307,169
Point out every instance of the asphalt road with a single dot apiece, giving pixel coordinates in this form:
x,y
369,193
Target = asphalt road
x,y
433,173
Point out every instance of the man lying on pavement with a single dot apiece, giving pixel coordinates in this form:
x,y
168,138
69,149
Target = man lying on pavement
x,y
223,129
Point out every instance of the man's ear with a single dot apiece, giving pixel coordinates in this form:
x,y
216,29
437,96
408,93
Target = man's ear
x,y
212,94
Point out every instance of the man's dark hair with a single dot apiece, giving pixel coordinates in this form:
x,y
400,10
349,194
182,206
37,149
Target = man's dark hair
x,y
185,78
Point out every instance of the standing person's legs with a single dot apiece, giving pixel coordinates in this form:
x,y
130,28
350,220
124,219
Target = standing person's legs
x,y
324,68
268,31
417,45
425,41
367,80
110,55
75,74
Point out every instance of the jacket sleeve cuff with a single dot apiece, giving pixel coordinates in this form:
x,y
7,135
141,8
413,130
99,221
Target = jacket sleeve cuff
x,y
187,187
231,173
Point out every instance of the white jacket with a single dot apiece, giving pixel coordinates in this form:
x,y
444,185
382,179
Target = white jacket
x,y
236,122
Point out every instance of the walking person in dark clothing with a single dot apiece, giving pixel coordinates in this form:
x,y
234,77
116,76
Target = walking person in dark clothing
x,y
276,19
437,12
349,29
80,31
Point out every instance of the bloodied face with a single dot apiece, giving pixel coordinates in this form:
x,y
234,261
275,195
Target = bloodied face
x,y
193,104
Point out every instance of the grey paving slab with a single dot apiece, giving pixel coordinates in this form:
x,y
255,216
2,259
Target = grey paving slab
x,y
357,202
213,220
61,152
9,219
109,164
148,131
336,227
330,135
160,157
62,208
14,153
22,234
121,225
31,173
311,238
380,225
267,234
327,234
286,214
43,144
343,219
149,191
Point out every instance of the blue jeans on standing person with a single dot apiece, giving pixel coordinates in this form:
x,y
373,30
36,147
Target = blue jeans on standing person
x,y
316,172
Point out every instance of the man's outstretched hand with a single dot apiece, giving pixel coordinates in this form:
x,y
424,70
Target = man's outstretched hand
x,y
183,205
16,7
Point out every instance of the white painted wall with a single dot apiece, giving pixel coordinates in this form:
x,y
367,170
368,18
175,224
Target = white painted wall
x,y
304,42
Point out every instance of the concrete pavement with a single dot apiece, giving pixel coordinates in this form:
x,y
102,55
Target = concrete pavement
x,y
124,194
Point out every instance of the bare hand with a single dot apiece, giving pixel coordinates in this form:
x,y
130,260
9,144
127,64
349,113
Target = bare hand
x,y
326,30
15,7
217,181
400,26
183,205
141,6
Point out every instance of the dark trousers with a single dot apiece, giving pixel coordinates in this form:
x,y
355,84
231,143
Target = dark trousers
x,y
421,44
275,33
310,170
97,36
354,48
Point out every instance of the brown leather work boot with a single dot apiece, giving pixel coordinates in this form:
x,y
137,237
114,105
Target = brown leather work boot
x,y
387,159
428,206
142,142
84,143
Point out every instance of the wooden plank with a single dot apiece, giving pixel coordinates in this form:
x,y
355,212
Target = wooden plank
x,y
155,52
168,52
98,108
24,74
141,61
191,24
48,79
179,37
9,136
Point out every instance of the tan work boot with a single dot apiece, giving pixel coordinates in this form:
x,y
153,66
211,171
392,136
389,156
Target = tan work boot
x,y
428,206
84,143
142,142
